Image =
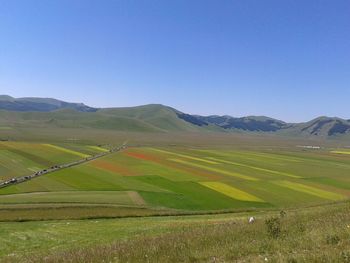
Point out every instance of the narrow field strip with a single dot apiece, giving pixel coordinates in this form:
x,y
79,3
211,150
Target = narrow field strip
x,y
66,150
186,156
275,156
251,155
255,168
136,198
231,191
97,148
311,190
341,152
142,156
112,167
216,170
93,197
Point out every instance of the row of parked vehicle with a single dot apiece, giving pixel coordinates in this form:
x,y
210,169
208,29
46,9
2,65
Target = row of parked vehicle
x,y
28,177
12,181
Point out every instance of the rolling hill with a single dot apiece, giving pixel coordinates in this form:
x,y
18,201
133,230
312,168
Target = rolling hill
x,y
250,123
148,118
43,112
323,126
39,104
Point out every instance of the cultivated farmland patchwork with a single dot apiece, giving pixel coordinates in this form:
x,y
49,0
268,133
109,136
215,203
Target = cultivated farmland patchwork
x,y
175,178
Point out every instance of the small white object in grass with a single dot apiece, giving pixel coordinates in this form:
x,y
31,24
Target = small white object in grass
x,y
265,259
251,220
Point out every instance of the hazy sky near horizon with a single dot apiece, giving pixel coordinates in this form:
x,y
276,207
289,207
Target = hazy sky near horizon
x,y
286,59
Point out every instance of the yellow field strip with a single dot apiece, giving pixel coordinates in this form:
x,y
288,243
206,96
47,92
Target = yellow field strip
x,y
231,191
276,156
186,156
254,167
66,150
98,148
250,155
216,170
310,190
341,152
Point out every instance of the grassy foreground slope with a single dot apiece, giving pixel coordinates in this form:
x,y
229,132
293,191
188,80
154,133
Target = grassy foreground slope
x,y
316,234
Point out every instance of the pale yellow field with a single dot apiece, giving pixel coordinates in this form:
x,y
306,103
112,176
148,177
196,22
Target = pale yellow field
x,y
231,191
254,167
186,156
311,190
98,148
341,152
67,150
216,170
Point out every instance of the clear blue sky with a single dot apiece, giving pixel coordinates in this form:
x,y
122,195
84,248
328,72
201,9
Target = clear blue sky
x,y
287,59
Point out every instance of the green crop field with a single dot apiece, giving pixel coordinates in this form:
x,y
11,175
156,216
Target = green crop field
x,y
22,158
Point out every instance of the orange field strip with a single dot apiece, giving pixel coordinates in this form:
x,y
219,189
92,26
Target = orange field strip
x,y
112,167
143,156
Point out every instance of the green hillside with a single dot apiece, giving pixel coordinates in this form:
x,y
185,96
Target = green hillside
x,y
157,116
52,113
39,104
44,113
322,127
148,118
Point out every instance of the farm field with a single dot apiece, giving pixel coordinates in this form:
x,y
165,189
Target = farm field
x,y
23,158
186,179
341,151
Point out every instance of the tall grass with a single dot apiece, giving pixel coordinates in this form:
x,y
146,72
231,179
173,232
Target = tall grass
x,y
319,234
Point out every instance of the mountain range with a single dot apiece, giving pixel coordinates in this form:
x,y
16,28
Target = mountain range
x,y
44,112
39,104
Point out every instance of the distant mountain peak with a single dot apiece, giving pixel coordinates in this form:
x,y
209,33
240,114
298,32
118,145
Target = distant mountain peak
x,y
325,126
250,123
6,97
39,104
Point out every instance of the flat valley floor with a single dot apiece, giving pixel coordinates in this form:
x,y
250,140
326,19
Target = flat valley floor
x,y
146,192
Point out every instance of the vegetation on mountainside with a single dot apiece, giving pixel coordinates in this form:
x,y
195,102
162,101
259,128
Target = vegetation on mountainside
x,y
50,113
